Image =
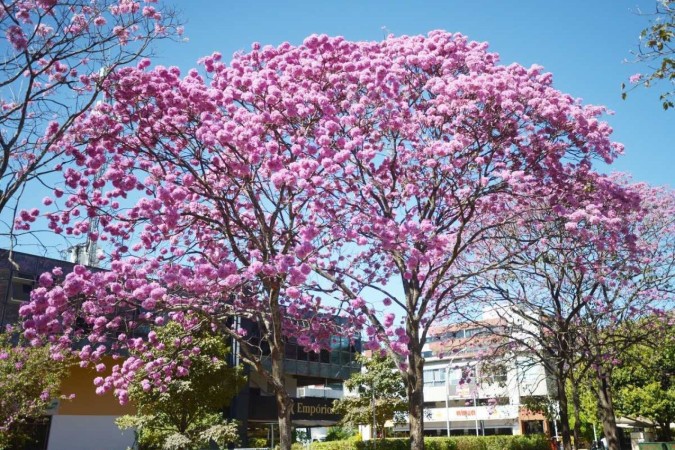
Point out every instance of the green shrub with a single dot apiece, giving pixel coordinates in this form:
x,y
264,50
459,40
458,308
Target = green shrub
x,y
348,444
257,442
384,444
444,443
470,442
440,443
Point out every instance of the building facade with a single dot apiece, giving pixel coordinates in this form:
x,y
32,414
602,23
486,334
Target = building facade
x,y
87,422
484,397
464,395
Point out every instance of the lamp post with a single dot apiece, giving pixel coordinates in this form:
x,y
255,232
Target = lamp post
x,y
447,395
475,407
374,434
475,395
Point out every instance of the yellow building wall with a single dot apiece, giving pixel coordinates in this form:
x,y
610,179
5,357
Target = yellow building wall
x,y
80,382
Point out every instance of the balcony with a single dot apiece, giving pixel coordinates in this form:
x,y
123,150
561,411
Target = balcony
x,y
469,413
320,393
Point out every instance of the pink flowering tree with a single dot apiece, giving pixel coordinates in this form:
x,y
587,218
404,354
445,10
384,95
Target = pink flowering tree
x,y
207,194
569,298
440,150
54,60
358,170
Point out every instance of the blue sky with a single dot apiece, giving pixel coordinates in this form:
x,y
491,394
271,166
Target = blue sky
x,y
585,44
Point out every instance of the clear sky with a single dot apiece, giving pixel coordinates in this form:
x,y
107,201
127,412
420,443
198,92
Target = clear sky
x,y
586,44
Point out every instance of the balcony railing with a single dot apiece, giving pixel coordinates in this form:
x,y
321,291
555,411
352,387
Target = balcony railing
x,y
469,413
318,392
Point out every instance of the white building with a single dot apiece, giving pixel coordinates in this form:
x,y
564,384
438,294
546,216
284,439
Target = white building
x,y
467,396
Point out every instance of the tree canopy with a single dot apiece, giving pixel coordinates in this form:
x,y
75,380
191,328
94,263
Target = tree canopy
x,y
380,394
364,173
29,382
54,62
656,50
644,384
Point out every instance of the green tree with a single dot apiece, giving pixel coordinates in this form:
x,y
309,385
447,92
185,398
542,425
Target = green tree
x,y
340,433
381,394
585,407
29,381
644,384
656,49
185,413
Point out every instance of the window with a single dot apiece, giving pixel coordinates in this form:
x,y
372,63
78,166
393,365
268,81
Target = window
x,y
290,351
434,377
335,357
495,375
22,284
462,380
472,332
344,360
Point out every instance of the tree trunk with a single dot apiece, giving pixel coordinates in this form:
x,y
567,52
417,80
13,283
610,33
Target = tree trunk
x,y
415,385
576,402
606,411
663,432
284,409
563,410
284,401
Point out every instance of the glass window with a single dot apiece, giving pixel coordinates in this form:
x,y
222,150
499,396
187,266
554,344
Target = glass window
x,y
290,351
22,284
335,342
344,359
434,377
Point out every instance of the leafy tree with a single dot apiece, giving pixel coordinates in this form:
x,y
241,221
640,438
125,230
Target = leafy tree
x,y
56,60
584,406
187,412
29,381
644,384
656,50
340,433
381,394
352,169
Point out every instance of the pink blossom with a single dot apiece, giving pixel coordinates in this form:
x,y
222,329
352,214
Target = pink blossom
x,y
635,78
46,279
16,37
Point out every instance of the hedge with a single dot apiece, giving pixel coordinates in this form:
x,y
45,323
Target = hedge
x,y
538,442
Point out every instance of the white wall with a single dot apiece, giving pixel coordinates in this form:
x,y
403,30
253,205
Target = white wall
x,y
88,433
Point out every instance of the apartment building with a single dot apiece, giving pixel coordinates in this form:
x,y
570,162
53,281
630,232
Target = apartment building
x,y
483,397
466,395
